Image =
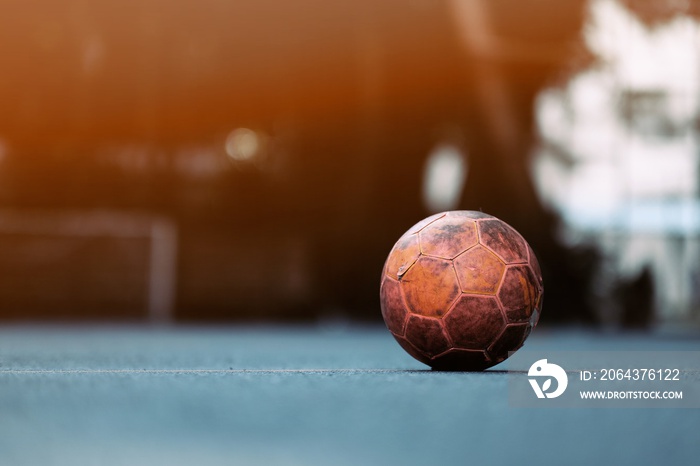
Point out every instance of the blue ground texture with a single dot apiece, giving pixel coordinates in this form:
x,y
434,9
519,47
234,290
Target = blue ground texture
x,y
303,395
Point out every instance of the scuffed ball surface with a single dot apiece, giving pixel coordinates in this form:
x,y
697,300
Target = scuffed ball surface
x,y
460,290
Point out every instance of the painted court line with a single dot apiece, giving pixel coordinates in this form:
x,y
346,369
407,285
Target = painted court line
x,y
204,371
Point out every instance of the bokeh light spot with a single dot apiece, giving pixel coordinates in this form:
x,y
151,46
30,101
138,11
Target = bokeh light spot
x,y
243,144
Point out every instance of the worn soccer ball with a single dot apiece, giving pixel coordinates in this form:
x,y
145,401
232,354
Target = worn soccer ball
x,y
460,290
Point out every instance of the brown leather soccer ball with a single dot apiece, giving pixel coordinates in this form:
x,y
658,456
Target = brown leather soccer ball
x,y
460,290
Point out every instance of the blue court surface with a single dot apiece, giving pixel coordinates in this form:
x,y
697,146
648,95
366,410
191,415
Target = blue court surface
x,y
303,395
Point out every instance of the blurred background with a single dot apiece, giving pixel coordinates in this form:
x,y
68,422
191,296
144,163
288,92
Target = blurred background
x,y
231,160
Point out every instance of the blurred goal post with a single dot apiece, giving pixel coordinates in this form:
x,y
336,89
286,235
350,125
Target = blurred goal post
x,y
160,232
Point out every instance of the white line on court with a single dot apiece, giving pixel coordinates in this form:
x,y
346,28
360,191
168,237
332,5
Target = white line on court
x,y
202,371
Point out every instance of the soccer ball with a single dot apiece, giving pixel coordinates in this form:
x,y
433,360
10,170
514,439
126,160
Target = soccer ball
x,y
460,290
